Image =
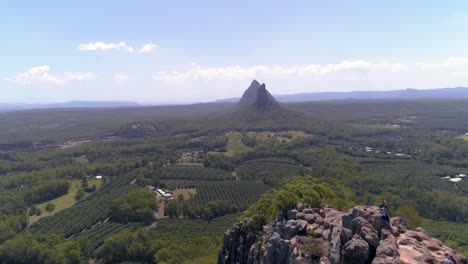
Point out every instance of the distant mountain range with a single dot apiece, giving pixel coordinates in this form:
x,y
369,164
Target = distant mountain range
x,y
72,104
440,93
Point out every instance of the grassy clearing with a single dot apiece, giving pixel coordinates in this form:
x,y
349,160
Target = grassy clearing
x,y
465,138
63,202
281,136
82,160
235,144
185,159
191,158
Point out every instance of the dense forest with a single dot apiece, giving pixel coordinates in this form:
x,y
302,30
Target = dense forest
x,y
220,163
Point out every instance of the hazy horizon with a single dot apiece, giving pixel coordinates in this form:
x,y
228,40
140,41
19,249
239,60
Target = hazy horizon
x,y
149,103
152,51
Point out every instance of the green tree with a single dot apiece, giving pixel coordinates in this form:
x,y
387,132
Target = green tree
x,y
80,194
171,209
127,246
84,180
66,252
28,248
50,207
33,210
136,206
410,215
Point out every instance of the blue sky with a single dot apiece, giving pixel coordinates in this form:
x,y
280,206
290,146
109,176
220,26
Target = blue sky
x,y
55,51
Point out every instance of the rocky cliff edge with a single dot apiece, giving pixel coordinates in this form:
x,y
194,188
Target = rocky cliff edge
x,y
326,235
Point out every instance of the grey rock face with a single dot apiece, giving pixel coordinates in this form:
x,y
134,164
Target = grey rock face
x,y
387,251
292,214
277,250
356,251
257,95
314,235
336,242
366,231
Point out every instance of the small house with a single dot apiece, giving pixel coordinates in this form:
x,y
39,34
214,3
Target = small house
x,y
455,179
98,177
166,195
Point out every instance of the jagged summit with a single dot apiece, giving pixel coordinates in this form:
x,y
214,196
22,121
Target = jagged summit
x,y
257,95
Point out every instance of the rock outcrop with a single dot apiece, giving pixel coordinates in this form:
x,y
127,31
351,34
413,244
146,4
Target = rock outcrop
x,y
328,236
258,96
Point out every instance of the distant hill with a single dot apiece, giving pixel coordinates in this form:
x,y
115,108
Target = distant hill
x,y
257,96
71,104
439,93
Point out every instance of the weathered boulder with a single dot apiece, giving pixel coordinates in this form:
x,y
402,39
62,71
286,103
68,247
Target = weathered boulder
x,y
300,207
370,213
300,215
294,227
338,237
310,218
356,251
278,225
360,226
411,249
332,218
319,220
387,251
399,224
277,251
292,214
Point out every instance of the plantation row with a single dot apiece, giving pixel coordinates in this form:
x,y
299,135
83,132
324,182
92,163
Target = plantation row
x,y
268,172
88,212
239,193
188,229
179,184
185,172
285,160
98,234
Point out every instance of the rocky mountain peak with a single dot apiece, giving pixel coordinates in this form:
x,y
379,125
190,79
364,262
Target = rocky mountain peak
x,y
258,96
326,235
255,83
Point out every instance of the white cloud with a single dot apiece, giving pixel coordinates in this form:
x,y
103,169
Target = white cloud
x,y
147,47
311,70
94,46
42,74
123,46
450,63
97,46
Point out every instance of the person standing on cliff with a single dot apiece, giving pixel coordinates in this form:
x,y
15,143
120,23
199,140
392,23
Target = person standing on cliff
x,y
384,212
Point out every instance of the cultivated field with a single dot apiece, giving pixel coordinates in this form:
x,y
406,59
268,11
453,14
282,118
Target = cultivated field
x,y
63,202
